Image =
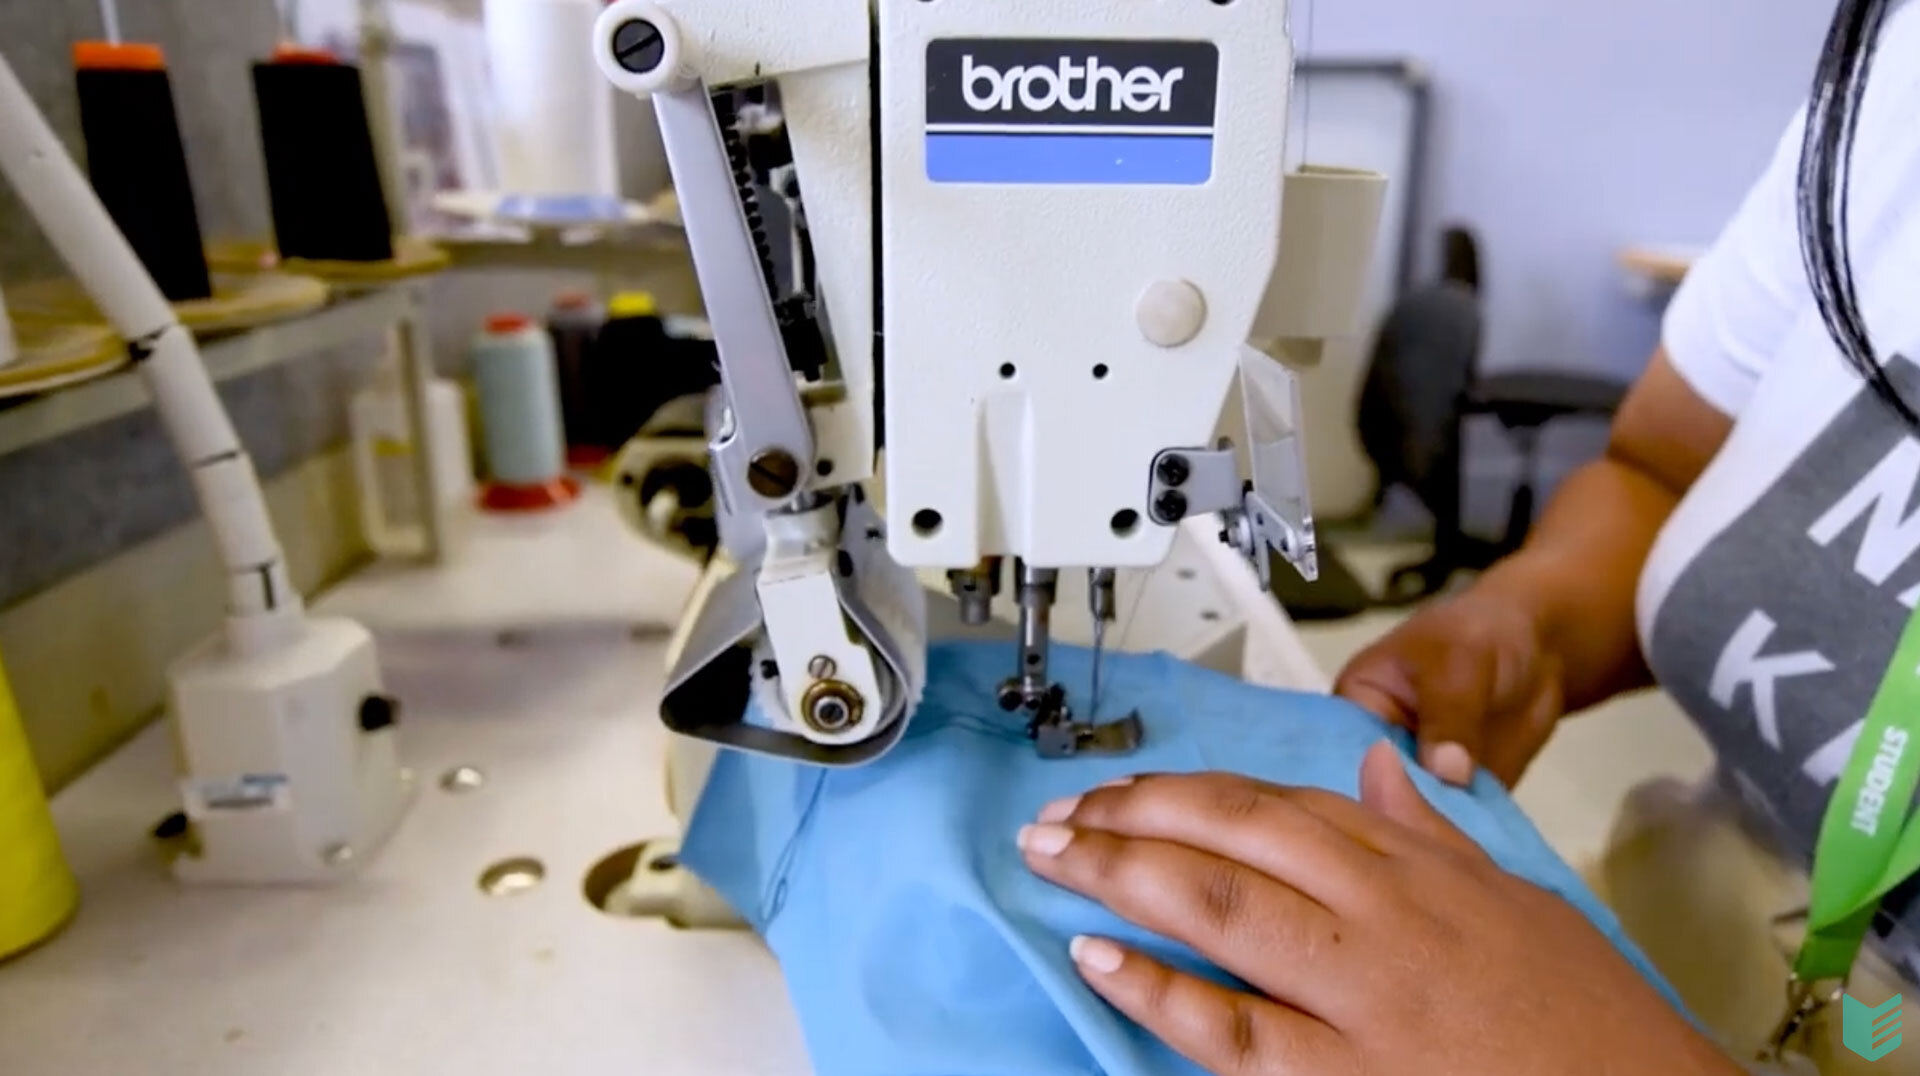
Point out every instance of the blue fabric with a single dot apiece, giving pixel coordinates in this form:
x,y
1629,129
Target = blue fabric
x,y
912,937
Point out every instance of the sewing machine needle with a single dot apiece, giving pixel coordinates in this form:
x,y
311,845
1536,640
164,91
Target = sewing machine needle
x,y
1099,639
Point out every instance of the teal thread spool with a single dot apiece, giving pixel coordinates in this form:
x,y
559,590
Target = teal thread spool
x,y
526,442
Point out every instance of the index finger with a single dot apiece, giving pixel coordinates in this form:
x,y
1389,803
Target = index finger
x,y
1316,842
1260,930
1380,687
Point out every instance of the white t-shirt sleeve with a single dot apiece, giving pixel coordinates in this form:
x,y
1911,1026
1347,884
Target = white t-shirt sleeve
x,y
1736,305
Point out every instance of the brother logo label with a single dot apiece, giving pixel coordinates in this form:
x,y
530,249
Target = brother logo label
x,y
1074,112
1077,87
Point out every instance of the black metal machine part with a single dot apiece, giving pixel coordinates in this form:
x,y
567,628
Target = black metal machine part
x,y
754,157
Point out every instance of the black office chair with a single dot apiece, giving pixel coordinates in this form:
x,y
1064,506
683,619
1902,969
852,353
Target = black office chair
x,y
1423,383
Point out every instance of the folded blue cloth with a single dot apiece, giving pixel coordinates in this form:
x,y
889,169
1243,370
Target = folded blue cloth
x,y
912,937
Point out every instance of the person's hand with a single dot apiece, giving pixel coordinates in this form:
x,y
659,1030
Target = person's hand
x,y
1382,941
1469,677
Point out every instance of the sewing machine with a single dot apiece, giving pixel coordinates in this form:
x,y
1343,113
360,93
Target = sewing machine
x,y
1046,238
1043,239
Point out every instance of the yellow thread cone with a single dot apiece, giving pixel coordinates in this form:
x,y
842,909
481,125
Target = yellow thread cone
x,y
37,890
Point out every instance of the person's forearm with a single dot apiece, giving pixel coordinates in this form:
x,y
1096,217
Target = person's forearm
x,y
1579,572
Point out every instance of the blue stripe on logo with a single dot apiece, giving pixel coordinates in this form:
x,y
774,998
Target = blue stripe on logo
x,y
1041,158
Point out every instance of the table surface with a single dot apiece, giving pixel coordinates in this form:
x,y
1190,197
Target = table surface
x,y
411,968
505,572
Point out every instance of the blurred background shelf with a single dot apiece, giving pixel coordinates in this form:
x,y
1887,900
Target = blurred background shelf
x,y
364,316
1655,270
640,250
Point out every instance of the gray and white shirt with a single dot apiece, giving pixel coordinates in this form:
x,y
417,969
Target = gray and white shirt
x,y
1773,600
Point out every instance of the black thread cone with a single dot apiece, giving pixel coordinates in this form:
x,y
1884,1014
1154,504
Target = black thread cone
x,y
138,167
322,177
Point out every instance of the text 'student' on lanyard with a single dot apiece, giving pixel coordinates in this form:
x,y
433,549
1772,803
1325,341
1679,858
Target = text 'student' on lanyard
x,y
1869,842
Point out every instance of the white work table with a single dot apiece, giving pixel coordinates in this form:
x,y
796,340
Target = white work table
x,y
410,968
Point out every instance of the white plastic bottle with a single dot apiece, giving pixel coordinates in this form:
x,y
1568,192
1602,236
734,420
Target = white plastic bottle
x,y
383,463
8,350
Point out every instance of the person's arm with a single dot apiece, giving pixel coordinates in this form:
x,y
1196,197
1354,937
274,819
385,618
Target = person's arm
x,y
1578,573
1483,677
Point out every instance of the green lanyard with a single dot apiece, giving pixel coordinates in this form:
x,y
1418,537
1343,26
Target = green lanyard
x,y
1869,840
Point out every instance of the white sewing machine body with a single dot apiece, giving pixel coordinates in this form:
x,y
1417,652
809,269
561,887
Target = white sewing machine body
x,y
1076,238
1043,236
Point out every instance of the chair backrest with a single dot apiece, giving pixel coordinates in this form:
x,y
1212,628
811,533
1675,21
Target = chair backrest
x,y
1422,365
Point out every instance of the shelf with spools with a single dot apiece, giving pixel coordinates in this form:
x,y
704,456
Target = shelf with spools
x,y
137,166
109,390
62,341
62,338
553,200
1654,270
557,201
331,275
249,305
542,544
623,240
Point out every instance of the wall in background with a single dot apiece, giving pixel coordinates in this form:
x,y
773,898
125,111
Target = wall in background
x,y
1564,132
1567,131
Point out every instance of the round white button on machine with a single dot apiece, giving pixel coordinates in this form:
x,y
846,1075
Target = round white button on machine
x,y
1171,312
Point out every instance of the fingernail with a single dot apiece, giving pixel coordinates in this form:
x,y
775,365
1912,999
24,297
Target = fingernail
x,y
1118,782
1451,763
1096,954
1059,810
1045,839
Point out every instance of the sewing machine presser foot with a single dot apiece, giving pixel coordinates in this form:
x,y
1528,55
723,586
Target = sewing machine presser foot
x,y
1056,734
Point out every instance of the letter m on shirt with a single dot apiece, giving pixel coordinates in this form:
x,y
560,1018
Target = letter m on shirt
x,y
1892,533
